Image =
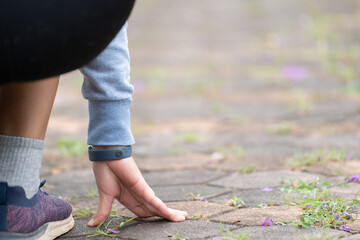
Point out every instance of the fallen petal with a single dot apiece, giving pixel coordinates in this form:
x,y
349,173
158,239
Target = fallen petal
x,y
268,222
113,231
345,228
267,189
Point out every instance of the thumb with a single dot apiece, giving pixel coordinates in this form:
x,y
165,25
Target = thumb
x,y
105,204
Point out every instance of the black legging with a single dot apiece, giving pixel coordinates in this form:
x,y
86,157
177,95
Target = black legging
x,y
44,38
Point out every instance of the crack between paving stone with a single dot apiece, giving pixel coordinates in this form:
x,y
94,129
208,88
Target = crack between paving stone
x,y
193,183
237,189
218,214
86,236
212,236
218,195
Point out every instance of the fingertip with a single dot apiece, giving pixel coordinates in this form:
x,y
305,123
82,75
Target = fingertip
x,y
184,213
92,223
97,219
181,218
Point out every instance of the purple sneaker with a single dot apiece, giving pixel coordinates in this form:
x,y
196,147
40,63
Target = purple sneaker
x,y
42,217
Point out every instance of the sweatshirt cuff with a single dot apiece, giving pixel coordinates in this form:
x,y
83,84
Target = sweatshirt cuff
x,y
109,123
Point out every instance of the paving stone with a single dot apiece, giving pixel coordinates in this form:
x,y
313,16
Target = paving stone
x,y
352,237
71,183
355,226
343,141
54,162
162,229
179,193
288,233
163,178
271,150
194,208
173,144
323,111
348,168
346,192
254,197
257,216
258,180
175,162
268,111
271,164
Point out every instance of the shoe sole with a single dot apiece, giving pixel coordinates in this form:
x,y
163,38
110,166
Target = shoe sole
x,y
58,228
48,231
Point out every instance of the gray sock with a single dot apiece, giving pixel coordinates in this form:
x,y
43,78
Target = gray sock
x,y
20,161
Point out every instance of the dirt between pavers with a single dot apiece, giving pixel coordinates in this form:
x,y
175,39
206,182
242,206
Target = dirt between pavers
x,y
257,216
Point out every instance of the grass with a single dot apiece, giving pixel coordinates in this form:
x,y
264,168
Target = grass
x,y
269,204
226,234
259,71
86,212
197,197
177,150
72,147
232,151
323,155
282,128
248,169
236,202
189,137
203,87
92,193
319,207
106,229
302,103
241,120
196,216
323,236
177,236
217,108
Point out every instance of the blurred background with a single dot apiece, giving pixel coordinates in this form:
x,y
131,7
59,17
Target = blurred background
x,y
244,85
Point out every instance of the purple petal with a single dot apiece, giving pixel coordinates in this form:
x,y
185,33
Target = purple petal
x,y
346,215
324,206
345,228
268,222
294,73
113,231
338,216
331,212
203,198
348,157
354,178
267,189
216,238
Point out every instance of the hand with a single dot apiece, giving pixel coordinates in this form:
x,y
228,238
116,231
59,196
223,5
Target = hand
x,y
122,180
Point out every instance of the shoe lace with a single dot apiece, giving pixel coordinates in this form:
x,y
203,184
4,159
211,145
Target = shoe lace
x,y
42,184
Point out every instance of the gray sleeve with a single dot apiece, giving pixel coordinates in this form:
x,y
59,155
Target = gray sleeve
x,y
107,88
